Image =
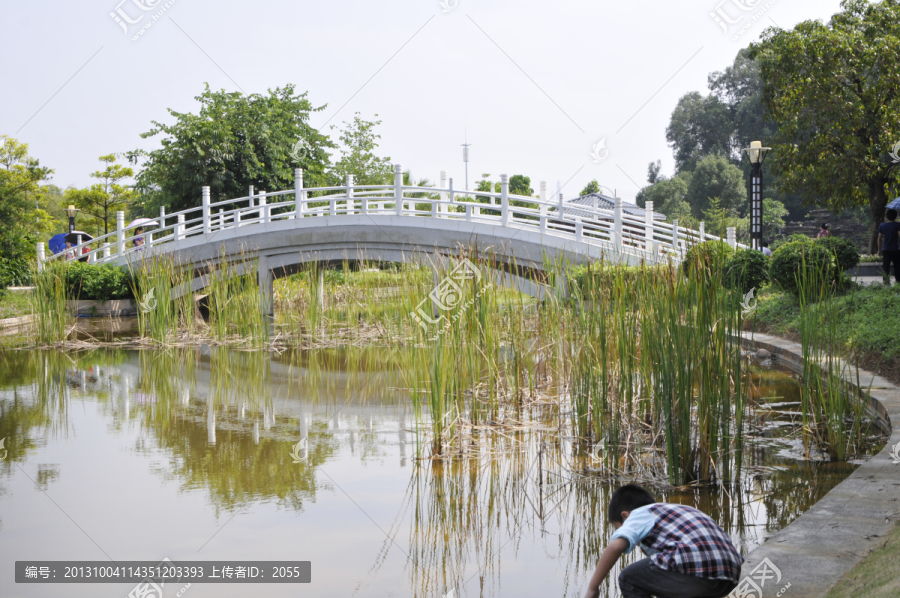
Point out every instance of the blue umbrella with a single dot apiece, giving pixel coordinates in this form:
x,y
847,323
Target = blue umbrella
x,y
894,205
58,243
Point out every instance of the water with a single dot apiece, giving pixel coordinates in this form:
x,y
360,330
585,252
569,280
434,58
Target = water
x,y
190,455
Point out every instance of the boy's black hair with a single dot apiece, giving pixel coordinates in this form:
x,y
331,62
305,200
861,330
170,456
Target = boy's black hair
x,y
891,215
824,226
628,498
765,243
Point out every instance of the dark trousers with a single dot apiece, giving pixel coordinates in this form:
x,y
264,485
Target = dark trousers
x,y
890,256
643,579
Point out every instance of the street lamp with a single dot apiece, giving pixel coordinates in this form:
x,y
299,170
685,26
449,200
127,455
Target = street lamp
x,y
757,154
71,211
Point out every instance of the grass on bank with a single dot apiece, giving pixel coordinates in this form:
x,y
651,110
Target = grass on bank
x,y
14,304
867,317
876,576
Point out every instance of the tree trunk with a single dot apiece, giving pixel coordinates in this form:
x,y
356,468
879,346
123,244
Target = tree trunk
x,y
877,203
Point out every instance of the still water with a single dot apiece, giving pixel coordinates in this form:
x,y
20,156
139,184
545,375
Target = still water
x,y
209,453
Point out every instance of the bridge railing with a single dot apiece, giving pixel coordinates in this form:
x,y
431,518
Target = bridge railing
x,y
643,236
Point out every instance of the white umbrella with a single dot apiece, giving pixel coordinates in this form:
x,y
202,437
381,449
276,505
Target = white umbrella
x,y
142,222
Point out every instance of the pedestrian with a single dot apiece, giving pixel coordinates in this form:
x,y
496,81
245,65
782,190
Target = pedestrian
x,y
823,231
765,249
889,246
69,253
138,238
690,555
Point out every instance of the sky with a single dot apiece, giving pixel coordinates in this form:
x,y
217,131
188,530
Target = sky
x,y
564,91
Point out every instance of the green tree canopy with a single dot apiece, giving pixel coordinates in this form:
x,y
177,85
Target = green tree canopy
x,y
519,184
235,141
716,176
101,200
833,91
700,126
669,196
359,141
592,187
23,202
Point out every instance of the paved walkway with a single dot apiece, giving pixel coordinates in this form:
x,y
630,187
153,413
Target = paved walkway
x,y
812,553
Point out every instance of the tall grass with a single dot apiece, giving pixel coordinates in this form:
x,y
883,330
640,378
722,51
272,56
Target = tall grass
x,y
833,415
49,305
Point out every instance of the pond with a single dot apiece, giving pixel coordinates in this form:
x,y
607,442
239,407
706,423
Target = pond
x,y
210,453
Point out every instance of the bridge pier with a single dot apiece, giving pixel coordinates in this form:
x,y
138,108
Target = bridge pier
x,y
266,279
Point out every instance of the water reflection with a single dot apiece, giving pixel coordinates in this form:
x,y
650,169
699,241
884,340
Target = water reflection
x,y
227,424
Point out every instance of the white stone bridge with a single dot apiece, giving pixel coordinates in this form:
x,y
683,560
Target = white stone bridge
x,y
397,223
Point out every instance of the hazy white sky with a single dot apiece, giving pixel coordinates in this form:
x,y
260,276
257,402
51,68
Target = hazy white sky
x,y
536,84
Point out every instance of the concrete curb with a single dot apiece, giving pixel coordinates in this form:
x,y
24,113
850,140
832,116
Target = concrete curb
x,y
16,322
808,557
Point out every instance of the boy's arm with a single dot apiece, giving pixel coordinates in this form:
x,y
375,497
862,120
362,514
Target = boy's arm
x,y
610,555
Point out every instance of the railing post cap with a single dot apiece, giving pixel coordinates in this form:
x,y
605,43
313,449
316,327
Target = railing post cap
x,y
504,178
298,172
398,169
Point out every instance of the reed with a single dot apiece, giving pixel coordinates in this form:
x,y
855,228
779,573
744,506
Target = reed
x,y
49,304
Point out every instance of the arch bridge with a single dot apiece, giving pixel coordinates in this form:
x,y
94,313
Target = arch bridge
x,y
397,223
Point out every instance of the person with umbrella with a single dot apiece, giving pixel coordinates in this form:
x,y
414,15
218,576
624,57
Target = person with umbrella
x,y
74,238
138,238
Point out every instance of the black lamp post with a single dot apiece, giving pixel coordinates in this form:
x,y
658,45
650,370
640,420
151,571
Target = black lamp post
x,y
71,211
757,154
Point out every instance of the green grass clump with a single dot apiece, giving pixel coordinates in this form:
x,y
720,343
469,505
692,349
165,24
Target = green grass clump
x,y
864,317
14,304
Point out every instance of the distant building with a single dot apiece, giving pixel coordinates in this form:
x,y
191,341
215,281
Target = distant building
x,y
603,202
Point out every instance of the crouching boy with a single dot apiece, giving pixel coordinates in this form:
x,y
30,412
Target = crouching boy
x,y
689,555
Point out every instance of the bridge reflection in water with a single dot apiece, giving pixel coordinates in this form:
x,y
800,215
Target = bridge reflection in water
x,y
312,455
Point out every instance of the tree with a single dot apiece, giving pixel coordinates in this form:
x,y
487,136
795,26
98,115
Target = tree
x,y
101,199
592,187
357,158
23,203
699,126
833,91
520,184
668,196
235,141
716,176
653,172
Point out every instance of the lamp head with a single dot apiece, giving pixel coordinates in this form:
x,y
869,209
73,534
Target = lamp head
x,y
72,210
756,152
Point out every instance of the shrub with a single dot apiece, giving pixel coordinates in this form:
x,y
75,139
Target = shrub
x,y
844,251
100,283
747,269
14,272
789,259
711,255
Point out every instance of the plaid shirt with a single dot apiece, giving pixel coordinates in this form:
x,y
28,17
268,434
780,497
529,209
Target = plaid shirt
x,y
682,539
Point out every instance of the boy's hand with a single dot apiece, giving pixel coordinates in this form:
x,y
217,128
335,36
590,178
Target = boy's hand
x,y
610,555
